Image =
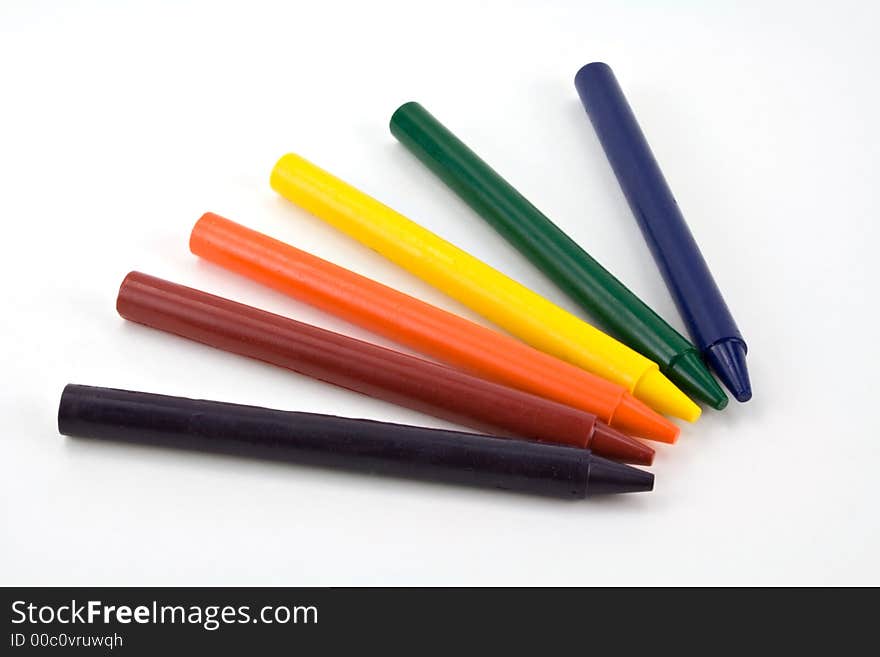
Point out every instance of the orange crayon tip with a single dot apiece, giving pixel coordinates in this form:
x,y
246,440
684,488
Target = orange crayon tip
x,y
636,418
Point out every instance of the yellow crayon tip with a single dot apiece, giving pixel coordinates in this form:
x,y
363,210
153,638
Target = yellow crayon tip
x,y
660,393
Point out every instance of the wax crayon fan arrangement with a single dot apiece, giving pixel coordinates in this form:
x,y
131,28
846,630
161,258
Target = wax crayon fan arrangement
x,y
563,405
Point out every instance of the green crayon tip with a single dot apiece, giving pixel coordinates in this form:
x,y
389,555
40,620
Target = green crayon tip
x,y
690,373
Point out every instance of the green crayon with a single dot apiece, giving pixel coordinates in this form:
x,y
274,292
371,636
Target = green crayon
x,y
588,283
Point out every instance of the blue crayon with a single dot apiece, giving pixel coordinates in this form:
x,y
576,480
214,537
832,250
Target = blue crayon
x,y
676,252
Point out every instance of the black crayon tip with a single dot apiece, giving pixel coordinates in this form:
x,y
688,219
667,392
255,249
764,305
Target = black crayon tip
x,y
728,359
607,477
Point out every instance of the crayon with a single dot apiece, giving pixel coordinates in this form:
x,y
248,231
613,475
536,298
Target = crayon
x,y
383,373
674,248
339,442
500,299
427,329
593,287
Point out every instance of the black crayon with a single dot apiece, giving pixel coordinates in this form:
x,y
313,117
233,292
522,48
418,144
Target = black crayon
x,y
346,443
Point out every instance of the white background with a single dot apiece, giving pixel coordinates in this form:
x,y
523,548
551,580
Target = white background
x,y
121,122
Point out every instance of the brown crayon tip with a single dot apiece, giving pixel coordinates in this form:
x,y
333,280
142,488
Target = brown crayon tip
x,y
614,444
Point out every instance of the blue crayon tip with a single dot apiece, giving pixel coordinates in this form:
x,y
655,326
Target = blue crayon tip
x,y
728,359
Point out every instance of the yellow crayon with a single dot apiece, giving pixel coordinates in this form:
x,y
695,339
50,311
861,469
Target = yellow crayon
x,y
498,298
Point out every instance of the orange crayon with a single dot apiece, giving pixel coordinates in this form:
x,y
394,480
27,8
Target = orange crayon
x,y
421,326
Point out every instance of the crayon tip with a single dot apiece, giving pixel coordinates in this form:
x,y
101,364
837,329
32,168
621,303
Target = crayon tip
x,y
728,358
660,393
637,419
690,373
606,477
616,445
